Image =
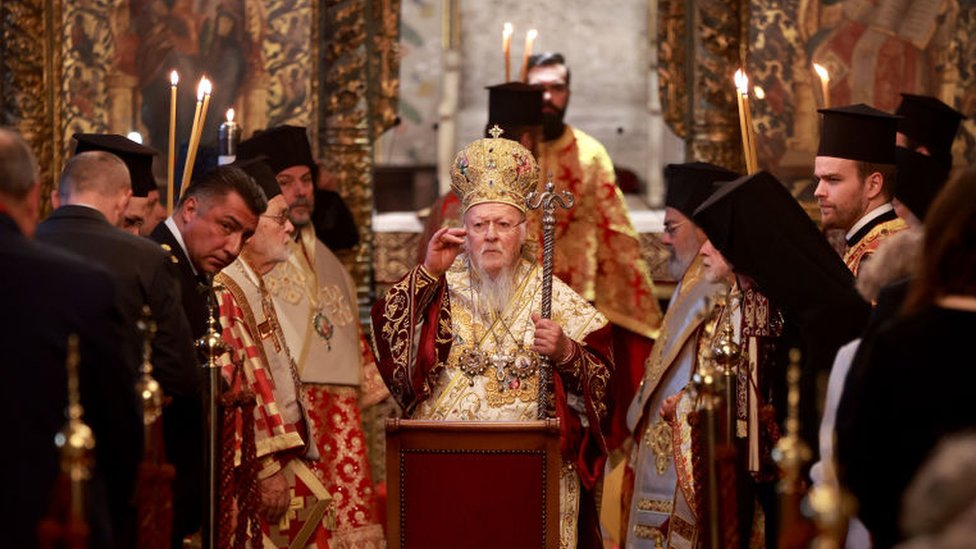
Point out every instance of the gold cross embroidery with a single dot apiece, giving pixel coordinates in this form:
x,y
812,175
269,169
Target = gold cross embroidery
x,y
269,328
295,504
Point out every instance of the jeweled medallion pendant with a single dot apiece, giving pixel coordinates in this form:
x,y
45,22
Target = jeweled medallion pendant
x,y
323,326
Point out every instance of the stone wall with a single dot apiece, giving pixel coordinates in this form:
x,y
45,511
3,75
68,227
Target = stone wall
x,y
605,42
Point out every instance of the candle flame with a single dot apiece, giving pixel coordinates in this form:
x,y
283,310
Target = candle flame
x,y
741,82
230,115
821,72
201,89
532,34
174,78
207,86
507,30
760,93
135,136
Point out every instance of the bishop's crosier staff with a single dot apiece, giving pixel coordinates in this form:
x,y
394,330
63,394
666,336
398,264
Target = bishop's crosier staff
x,y
547,201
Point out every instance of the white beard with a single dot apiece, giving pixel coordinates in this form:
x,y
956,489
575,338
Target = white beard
x,y
677,267
494,293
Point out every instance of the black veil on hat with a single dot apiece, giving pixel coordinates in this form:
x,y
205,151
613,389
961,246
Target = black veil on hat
x,y
764,233
138,158
689,184
261,173
920,177
929,121
858,132
284,147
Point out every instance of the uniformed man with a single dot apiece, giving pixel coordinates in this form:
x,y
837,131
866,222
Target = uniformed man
x,y
48,294
139,159
216,215
93,190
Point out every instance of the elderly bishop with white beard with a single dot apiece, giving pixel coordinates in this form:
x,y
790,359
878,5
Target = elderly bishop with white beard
x,y
459,338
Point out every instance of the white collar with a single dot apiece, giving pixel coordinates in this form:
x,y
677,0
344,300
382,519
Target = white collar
x,y
171,225
866,218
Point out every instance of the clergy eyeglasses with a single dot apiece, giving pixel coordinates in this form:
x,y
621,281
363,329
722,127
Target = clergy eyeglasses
x,y
280,218
670,227
502,227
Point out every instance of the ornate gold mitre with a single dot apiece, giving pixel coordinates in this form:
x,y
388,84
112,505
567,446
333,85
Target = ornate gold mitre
x,y
493,170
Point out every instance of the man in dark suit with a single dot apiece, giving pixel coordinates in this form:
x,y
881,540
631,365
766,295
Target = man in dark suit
x,y
207,231
46,296
92,193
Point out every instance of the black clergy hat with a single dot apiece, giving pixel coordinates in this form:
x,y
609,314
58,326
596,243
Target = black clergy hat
x,y
689,184
929,122
514,104
261,173
858,132
763,232
284,147
920,177
137,158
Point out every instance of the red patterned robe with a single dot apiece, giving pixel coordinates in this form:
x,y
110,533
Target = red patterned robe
x,y
312,432
423,325
598,254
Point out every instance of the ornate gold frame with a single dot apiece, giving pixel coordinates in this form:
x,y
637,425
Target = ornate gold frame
x,y
354,89
29,102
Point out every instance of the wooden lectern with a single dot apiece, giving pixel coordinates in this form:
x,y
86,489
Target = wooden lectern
x,y
472,484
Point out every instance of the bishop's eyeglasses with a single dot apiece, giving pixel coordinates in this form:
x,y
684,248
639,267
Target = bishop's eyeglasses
x,y
502,227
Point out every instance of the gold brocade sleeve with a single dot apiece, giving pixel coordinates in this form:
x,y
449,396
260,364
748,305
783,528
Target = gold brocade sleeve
x,y
372,390
588,371
412,335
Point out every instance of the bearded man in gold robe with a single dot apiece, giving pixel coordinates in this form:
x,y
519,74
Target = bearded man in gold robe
x,y
458,338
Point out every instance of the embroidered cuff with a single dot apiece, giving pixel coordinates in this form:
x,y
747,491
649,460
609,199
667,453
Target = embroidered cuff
x,y
573,354
426,274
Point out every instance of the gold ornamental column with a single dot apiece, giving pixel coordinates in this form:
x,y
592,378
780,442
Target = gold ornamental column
x,y
700,45
30,62
358,88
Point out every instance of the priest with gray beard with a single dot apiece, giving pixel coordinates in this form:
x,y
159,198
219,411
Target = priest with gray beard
x,y
459,337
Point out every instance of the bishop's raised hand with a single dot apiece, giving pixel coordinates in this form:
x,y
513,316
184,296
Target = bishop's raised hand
x,y
442,249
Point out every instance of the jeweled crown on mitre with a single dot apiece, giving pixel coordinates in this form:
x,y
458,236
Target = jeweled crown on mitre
x,y
494,170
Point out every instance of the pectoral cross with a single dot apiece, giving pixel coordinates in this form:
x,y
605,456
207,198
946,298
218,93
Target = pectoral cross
x,y
295,504
269,328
